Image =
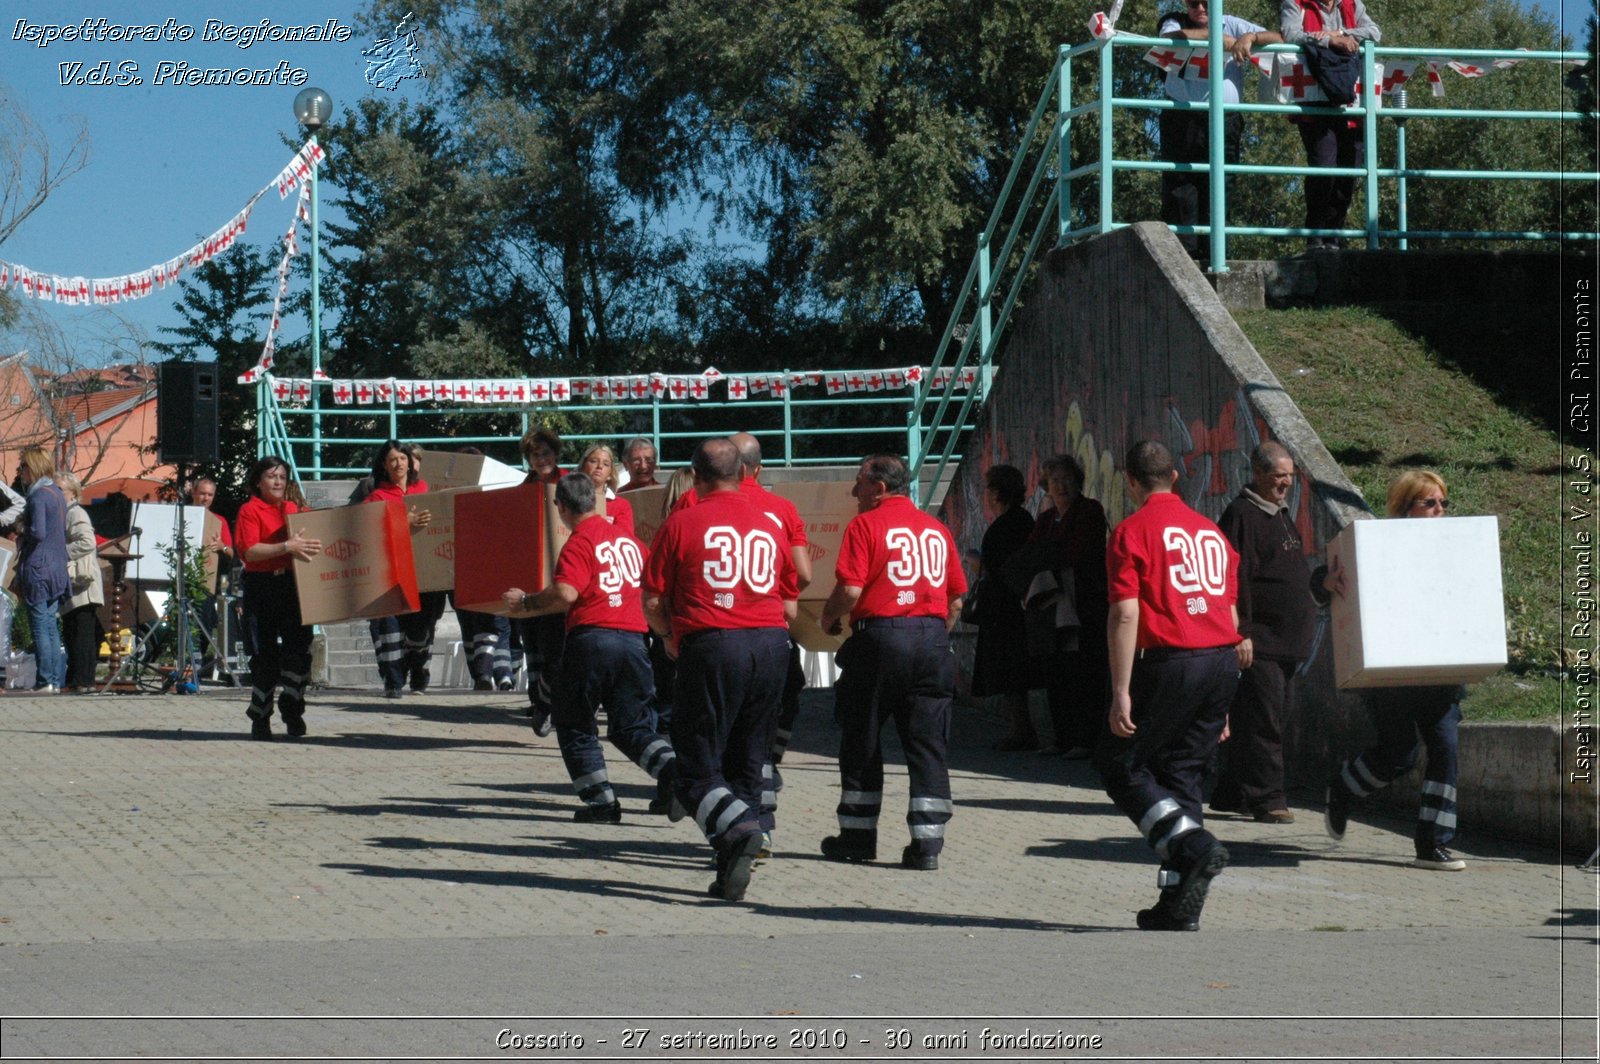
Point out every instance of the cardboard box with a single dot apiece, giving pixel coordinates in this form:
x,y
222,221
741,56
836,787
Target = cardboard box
x,y
433,547
452,469
1422,602
502,541
648,511
157,528
806,629
365,568
826,507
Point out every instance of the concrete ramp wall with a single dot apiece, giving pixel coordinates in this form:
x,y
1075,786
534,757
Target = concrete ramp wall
x,y
1123,339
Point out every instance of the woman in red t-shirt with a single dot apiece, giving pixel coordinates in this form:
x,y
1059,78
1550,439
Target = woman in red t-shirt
x,y
404,644
278,644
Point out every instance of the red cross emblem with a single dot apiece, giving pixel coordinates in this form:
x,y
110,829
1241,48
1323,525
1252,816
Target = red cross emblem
x,y
363,394
501,392
519,393
481,393
895,379
697,388
463,392
914,374
875,383
658,385
737,389
1297,81
402,392
424,391
581,386
385,390
342,393
540,391
1165,58
778,387
559,391
855,382
678,387
302,391
641,387
280,390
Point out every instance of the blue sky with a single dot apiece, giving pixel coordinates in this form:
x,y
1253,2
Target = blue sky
x,y
170,163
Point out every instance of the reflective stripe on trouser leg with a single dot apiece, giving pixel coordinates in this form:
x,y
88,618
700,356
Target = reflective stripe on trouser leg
x,y
719,810
1438,805
1163,824
655,758
502,661
858,810
780,743
594,788
389,646
480,659
260,707
296,671
926,818
1359,779
769,797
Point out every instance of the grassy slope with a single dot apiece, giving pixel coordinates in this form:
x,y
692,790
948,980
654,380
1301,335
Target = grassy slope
x,y
1382,403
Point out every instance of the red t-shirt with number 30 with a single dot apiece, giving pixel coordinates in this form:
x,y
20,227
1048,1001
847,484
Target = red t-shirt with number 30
x,y
604,564
1181,569
903,561
720,563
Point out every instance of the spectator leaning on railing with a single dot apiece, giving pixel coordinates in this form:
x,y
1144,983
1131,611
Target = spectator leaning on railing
x,y
1185,135
1330,140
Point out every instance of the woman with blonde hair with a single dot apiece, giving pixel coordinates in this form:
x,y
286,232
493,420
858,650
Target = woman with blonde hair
x,y
1407,719
42,581
79,613
599,462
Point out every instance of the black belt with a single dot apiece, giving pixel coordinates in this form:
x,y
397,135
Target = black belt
x,y
268,572
1168,653
896,622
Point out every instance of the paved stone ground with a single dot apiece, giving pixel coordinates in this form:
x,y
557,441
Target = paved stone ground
x,y
417,860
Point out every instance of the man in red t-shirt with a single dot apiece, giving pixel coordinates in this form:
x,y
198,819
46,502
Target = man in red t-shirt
x,y
1175,661
596,583
900,580
787,517
712,591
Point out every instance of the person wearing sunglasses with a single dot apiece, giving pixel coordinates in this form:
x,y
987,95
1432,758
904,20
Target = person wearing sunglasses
x,y
1407,719
1185,135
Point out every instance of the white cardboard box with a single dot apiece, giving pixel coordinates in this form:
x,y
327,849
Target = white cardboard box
x,y
1422,602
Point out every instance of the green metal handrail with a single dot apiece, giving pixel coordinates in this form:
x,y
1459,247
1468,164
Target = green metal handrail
x,y
980,329
771,420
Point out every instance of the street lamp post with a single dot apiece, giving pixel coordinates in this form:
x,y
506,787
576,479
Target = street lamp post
x,y
312,107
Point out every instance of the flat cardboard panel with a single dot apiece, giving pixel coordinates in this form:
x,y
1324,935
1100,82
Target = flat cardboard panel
x,y
500,543
1423,602
365,568
451,469
322,494
826,507
648,515
8,561
157,523
433,547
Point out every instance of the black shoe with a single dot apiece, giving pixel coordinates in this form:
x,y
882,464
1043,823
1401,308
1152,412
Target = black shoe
x,y
848,845
1160,917
260,728
1190,895
481,684
1438,859
911,857
661,804
542,723
419,680
736,879
506,684
1336,811
294,726
391,692
599,814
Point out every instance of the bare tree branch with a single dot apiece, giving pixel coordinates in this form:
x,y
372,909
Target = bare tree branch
x,y
30,166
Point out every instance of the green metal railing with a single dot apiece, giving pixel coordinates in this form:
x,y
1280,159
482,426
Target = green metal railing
x,y
972,336
786,426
